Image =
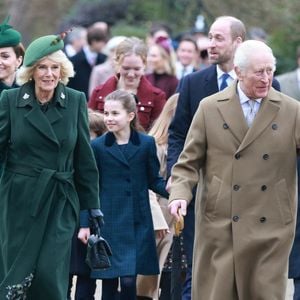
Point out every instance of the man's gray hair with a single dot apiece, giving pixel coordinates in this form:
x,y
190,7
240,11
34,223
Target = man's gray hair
x,y
246,49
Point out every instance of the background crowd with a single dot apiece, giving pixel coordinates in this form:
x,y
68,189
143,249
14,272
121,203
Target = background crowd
x,y
164,79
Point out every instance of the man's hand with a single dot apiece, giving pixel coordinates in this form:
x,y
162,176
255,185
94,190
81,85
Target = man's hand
x,y
84,234
177,205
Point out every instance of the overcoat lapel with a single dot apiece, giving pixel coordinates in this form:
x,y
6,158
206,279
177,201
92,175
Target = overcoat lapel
x,y
38,120
35,116
211,81
233,116
115,151
232,113
267,112
131,148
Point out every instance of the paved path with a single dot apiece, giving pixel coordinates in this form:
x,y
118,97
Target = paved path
x,y
289,292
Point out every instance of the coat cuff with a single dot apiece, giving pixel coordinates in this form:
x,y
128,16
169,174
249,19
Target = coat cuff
x,y
84,218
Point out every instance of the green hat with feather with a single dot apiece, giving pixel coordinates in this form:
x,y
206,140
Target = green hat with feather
x,y
42,47
9,37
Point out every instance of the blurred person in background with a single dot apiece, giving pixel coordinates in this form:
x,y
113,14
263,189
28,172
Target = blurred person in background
x,y
11,55
187,56
257,33
290,81
90,56
75,41
161,66
203,59
157,30
102,72
130,62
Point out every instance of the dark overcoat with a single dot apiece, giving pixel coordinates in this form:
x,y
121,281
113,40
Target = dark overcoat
x,y
125,177
49,175
83,70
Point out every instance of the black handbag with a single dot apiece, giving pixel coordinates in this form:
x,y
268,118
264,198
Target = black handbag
x,y
98,249
98,252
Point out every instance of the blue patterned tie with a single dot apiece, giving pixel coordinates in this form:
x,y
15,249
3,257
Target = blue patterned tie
x,y
224,84
251,113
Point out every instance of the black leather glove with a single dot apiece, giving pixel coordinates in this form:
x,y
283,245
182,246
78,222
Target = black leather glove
x,y
96,221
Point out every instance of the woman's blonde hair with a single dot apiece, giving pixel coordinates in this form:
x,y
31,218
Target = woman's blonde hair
x,y
161,125
169,64
131,45
25,74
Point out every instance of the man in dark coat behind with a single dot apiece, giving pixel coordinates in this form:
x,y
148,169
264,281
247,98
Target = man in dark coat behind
x,y
87,58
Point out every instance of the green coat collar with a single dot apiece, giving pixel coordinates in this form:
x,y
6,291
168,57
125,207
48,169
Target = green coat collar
x,y
27,95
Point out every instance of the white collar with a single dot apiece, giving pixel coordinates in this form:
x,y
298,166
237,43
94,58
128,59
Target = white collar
x,y
243,97
220,73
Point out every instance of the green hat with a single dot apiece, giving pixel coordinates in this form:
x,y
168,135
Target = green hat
x,y
9,37
42,47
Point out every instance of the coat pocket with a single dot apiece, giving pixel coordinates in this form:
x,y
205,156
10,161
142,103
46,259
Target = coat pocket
x,y
213,192
284,202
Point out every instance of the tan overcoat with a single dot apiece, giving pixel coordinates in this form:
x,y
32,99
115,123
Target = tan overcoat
x,y
245,208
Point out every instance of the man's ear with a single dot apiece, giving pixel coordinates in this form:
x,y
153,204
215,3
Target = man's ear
x,y
239,40
238,73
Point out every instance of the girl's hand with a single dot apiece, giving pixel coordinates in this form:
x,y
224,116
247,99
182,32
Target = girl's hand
x,y
84,234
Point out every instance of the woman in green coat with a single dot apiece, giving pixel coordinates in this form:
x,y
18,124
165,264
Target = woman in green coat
x,y
11,55
49,174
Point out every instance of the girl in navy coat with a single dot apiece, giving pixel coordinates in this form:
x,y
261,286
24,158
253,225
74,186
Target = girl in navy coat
x,y
128,167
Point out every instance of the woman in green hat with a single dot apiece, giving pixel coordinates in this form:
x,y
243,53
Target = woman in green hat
x,y
11,55
49,174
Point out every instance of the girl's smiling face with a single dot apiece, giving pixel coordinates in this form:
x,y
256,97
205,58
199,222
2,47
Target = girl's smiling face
x,y
116,118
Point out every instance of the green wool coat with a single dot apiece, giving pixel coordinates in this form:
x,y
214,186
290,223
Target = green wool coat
x,y
49,175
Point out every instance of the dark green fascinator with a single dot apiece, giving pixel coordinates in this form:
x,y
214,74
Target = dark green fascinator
x,y
9,37
42,47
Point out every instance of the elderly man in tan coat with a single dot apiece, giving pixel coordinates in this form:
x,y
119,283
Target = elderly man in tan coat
x,y
245,208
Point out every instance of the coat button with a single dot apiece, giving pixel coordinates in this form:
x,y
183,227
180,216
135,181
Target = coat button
x,y
237,156
263,187
274,126
236,187
235,218
128,179
128,193
262,219
225,126
266,156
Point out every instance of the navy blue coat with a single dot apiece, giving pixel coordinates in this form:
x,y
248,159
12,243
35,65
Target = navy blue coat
x,y
125,177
